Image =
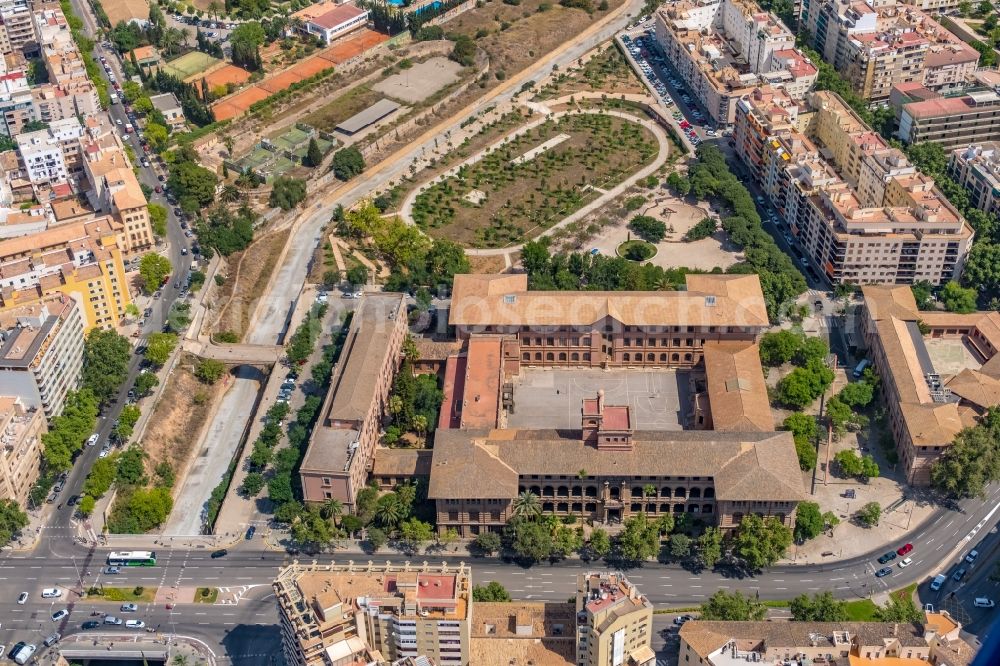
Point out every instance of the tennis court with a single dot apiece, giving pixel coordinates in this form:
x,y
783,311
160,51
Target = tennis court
x,y
281,81
257,158
291,139
346,49
226,75
190,64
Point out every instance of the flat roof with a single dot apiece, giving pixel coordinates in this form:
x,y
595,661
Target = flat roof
x,y
372,114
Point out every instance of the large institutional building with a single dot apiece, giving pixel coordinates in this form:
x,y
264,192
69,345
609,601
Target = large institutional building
x,y
729,462
928,405
860,210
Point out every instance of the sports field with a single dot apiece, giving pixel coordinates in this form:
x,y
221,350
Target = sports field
x,y
190,64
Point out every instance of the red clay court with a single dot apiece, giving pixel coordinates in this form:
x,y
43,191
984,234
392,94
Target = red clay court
x,y
339,52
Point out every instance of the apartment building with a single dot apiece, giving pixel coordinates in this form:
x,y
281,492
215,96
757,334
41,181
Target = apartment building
x,y
171,109
860,210
53,154
723,49
69,91
16,27
329,19
113,188
977,169
608,329
78,259
342,447
614,622
953,122
21,430
342,615
928,405
41,354
934,641
16,106
877,44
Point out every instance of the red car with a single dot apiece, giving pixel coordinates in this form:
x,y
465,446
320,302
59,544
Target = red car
x,y
685,124
905,549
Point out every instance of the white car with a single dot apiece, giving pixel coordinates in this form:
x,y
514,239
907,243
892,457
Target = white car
x,y
59,614
135,624
104,453
971,557
93,439
905,562
22,599
983,602
51,593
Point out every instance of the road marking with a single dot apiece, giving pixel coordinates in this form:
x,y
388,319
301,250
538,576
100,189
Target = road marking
x,y
781,588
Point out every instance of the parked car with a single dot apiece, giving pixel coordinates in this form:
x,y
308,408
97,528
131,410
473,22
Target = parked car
x,y
51,593
51,639
888,557
135,624
983,602
971,557
250,532
93,439
959,575
905,562
938,582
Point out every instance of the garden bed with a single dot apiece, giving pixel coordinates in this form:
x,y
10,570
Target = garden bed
x,y
637,250
523,199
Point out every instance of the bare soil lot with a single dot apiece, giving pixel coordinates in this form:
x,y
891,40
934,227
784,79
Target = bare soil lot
x,y
417,83
248,276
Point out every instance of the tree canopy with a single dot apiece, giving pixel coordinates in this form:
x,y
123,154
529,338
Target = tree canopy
x,y
732,607
760,542
154,269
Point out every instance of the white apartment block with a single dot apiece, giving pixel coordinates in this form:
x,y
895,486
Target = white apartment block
x,y
16,30
723,49
46,154
42,352
16,107
977,169
21,431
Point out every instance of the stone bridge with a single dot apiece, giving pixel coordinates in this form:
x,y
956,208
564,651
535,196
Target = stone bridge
x,y
236,354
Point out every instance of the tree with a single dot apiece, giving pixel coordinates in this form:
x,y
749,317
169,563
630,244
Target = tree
x,y
526,505
464,51
86,505
157,135
347,163
532,541
131,469
487,542
357,276
705,228
779,347
192,183
159,347
839,413
414,532
140,510
821,607
648,228
899,609
796,389
857,394
105,363
852,465
154,269
102,475
493,591
732,607
314,156
958,299
566,540
801,425
710,547
245,41
761,542
869,514
680,185
971,463
209,370
145,383
377,538
157,219
287,193
680,546
809,521
600,542
253,483
12,520
388,510
311,530
640,540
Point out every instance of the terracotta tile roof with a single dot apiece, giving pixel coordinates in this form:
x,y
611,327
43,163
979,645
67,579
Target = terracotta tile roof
x,y
484,464
737,394
402,462
976,387
710,300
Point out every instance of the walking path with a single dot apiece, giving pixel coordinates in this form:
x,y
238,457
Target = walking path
x,y
663,153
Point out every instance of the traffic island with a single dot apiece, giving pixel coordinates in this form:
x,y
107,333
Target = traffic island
x,y
206,595
138,594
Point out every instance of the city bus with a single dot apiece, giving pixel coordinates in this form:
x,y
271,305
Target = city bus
x,y
134,558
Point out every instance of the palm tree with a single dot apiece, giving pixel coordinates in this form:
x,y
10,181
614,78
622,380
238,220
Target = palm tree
x,y
420,424
231,194
213,9
526,505
388,511
332,508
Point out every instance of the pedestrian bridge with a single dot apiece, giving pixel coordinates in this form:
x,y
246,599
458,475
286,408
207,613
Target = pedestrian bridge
x,y
236,354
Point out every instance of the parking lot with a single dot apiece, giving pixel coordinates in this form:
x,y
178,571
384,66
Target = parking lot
x,y
669,87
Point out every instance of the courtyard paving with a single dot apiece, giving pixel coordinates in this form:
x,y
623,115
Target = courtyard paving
x,y
553,398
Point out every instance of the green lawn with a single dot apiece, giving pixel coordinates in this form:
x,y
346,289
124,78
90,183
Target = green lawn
x,y
206,595
862,610
145,595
